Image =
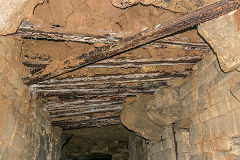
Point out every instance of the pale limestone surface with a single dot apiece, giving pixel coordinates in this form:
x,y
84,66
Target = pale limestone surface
x,y
12,12
133,116
165,107
223,34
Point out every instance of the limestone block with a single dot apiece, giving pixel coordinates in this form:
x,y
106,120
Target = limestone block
x,y
183,147
201,156
157,147
165,108
133,116
184,156
167,132
223,34
170,154
235,150
235,90
12,12
168,143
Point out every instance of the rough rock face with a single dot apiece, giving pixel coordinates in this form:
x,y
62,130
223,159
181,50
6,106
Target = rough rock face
x,y
137,148
165,108
223,34
13,12
235,90
133,116
91,17
25,131
172,5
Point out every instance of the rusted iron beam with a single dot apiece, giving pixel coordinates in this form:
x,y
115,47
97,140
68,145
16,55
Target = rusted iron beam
x,y
80,101
66,97
133,66
99,92
90,124
85,107
114,78
29,30
83,103
124,63
81,112
86,117
162,43
101,87
94,122
199,16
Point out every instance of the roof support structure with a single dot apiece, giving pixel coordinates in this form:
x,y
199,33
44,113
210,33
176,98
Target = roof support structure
x,y
204,14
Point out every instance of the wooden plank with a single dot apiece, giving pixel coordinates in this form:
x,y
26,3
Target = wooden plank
x,y
199,16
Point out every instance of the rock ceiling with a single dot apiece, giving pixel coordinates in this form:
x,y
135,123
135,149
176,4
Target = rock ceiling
x,y
94,95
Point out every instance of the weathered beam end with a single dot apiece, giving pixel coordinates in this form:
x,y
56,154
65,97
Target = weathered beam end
x,y
204,14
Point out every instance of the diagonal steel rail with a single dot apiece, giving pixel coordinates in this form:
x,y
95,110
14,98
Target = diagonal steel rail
x,y
204,14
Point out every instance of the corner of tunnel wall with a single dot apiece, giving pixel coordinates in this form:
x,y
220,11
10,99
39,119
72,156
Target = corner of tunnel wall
x,y
25,131
209,125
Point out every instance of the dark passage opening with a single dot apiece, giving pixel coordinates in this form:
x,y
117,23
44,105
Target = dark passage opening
x,y
95,156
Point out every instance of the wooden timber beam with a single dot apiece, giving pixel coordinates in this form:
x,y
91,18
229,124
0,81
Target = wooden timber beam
x,y
204,14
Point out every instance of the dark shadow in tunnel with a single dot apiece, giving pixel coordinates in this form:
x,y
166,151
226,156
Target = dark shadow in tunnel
x,y
95,156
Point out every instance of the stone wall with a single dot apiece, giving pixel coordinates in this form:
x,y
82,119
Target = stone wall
x,y
182,144
25,132
165,148
213,111
174,145
137,148
208,128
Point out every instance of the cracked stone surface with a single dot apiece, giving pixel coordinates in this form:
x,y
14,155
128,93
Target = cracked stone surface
x,y
12,12
165,108
133,116
223,34
172,5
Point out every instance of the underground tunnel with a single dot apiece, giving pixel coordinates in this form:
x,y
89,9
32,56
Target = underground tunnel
x,y
120,80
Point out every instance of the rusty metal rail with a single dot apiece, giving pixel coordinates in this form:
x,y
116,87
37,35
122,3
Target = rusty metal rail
x,y
204,14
